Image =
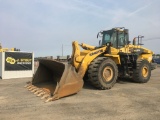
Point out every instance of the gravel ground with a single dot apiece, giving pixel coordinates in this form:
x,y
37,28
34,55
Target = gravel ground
x,y
126,100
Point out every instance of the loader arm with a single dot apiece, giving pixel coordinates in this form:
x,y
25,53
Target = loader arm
x,y
82,59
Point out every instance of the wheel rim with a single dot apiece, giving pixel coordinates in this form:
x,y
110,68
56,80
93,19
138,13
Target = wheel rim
x,y
108,73
145,71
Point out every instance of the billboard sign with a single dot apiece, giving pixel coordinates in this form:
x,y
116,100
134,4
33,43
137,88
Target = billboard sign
x,y
18,61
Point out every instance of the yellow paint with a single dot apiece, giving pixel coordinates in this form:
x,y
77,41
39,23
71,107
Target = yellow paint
x,y
5,49
115,58
147,57
81,59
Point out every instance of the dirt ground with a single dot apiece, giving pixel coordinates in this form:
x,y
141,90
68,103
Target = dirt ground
x,y
125,101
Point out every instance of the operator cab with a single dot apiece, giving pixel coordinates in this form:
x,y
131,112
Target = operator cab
x,y
116,37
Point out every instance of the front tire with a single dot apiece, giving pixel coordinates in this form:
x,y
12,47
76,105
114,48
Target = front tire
x,y
102,73
142,73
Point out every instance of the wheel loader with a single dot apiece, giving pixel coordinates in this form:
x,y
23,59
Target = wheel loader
x,y
7,49
114,57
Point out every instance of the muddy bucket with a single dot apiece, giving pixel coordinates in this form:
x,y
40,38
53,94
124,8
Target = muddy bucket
x,y
54,80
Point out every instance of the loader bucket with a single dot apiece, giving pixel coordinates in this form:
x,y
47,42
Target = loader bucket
x,y
54,80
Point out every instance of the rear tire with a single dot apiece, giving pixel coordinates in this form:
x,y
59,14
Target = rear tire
x,y
102,73
142,73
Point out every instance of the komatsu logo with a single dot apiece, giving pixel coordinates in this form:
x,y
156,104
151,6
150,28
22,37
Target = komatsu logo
x,y
96,52
10,60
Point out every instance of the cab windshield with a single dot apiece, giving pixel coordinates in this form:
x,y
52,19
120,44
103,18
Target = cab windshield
x,y
109,36
106,38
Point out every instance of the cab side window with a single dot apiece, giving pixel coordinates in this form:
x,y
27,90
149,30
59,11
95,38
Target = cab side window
x,y
107,38
114,40
121,40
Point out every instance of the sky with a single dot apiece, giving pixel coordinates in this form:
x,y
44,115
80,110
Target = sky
x,y
43,26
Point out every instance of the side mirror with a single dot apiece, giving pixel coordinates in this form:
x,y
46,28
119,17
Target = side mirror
x,y
134,41
99,42
97,35
129,42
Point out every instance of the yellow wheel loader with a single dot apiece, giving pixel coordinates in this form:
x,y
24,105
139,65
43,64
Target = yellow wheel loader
x,y
7,49
115,57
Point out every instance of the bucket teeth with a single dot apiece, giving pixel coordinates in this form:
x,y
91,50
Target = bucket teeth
x,y
33,87
29,86
41,93
49,99
26,85
38,91
52,98
34,90
45,96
